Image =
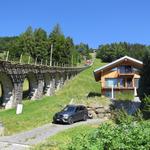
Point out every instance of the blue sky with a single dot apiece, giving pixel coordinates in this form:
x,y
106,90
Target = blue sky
x,y
90,21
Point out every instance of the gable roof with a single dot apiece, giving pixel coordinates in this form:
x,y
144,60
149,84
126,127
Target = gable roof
x,y
97,72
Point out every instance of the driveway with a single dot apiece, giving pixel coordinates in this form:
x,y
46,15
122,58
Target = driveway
x,y
27,139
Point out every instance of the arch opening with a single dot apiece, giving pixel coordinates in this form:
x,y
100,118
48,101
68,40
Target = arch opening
x,y
49,84
6,91
26,88
30,86
57,82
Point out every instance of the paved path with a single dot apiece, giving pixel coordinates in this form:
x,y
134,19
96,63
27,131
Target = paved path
x,y
25,140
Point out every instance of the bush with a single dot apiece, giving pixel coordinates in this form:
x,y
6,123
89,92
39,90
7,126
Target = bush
x,y
121,117
125,95
146,107
135,136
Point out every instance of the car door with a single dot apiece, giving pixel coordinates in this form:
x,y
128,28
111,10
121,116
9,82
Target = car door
x,y
80,113
77,114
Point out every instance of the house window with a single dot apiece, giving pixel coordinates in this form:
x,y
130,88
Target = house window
x,y
136,82
129,82
125,69
122,82
111,82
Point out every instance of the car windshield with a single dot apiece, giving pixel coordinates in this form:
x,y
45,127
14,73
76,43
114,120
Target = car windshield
x,y
69,108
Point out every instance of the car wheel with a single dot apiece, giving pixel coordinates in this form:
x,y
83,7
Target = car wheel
x,y
84,117
70,120
90,115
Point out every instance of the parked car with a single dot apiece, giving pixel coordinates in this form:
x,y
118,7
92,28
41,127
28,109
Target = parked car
x,y
71,114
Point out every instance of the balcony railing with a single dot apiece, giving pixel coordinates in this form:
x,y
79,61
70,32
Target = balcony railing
x,y
117,88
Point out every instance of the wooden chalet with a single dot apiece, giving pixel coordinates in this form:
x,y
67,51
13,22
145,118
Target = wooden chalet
x,y
120,75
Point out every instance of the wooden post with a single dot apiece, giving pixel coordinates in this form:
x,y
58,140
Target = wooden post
x,y
20,58
7,55
41,61
135,92
51,55
72,60
112,92
29,60
35,60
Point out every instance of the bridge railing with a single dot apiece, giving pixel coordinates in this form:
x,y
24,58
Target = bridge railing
x,y
27,59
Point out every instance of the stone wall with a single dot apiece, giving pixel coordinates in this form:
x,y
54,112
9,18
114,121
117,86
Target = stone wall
x,y
129,106
99,111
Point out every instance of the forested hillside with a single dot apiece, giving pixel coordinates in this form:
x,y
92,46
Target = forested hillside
x,y
110,52
37,44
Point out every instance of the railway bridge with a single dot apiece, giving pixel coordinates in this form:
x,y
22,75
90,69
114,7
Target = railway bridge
x,y
43,80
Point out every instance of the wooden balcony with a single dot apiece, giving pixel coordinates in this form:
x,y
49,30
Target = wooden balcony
x,y
125,74
119,88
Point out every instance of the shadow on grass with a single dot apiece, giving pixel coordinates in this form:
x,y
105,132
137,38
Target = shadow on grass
x,y
93,94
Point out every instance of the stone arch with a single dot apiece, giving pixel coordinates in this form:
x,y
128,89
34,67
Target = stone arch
x,y
7,97
33,84
48,84
26,88
69,75
57,81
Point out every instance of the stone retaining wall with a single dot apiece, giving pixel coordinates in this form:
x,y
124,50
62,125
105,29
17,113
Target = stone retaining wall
x,y
99,111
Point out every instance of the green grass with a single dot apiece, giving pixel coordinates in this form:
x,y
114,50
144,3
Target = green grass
x,y
62,139
39,112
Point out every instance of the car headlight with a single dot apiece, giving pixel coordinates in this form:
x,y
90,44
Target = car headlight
x,y
65,116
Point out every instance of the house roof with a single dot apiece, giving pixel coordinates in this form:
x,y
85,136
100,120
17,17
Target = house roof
x,y
97,72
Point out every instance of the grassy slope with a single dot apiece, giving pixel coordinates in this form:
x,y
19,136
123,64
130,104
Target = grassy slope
x,y
61,139
36,113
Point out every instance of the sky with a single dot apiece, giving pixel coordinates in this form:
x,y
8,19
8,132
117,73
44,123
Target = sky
x,y
94,22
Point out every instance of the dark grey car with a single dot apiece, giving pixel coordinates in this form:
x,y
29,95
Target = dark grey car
x,y
71,114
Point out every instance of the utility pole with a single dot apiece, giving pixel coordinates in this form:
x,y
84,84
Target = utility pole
x,y
51,55
72,60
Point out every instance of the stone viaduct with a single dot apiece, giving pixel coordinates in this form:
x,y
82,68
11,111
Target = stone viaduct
x,y
43,80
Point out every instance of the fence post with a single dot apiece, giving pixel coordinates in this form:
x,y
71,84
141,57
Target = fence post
x,y
41,61
7,55
35,60
20,58
29,60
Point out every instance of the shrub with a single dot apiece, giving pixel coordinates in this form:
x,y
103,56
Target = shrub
x,y
135,136
121,117
146,107
125,95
